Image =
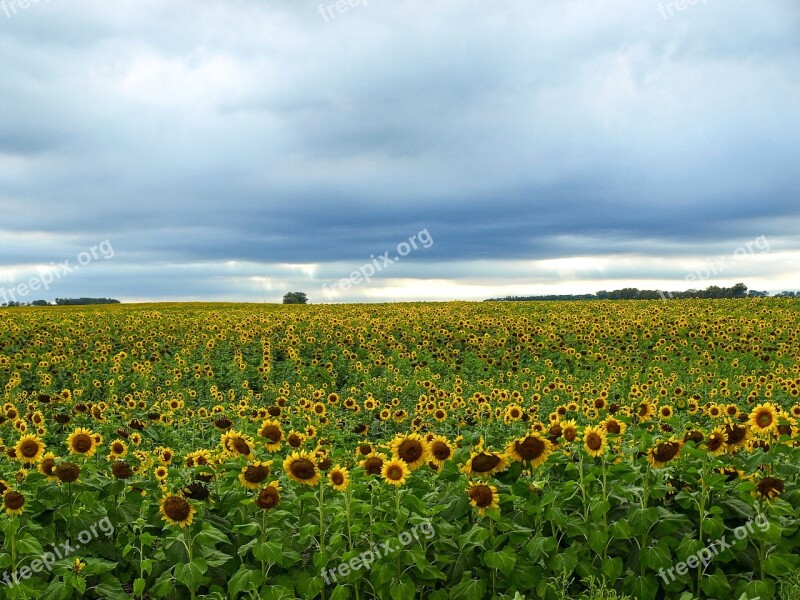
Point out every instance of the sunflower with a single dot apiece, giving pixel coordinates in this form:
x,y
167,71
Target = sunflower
x,y
48,466
272,432
769,488
13,502
737,436
483,496
30,449
117,449
198,458
237,444
763,419
395,472
295,439
717,440
302,468
176,510
67,472
121,470
373,463
269,496
595,441
532,449
254,474
663,452
440,450
613,426
485,463
410,448
161,473
569,430
339,478
82,441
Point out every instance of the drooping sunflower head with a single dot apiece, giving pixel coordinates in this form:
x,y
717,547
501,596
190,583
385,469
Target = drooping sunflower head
x,y
121,470
269,496
716,440
13,502
301,467
373,463
483,496
82,441
533,449
254,474
339,478
410,448
30,449
485,463
769,488
663,452
395,472
48,466
176,510
67,472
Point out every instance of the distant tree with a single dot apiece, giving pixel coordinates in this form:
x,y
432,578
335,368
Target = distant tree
x,y
40,303
295,298
739,290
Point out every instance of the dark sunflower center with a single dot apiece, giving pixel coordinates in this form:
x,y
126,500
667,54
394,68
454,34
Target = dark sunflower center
x,y
241,446
482,495
570,434
594,441
365,449
483,462
666,451
67,472
177,508
29,449
303,469
48,466
735,434
394,473
613,427
256,473
764,419
410,451
440,451
295,441
82,443
268,498
121,470
337,478
14,500
117,448
272,433
530,448
373,465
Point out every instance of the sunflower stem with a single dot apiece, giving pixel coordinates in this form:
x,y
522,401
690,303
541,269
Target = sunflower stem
x,y
322,525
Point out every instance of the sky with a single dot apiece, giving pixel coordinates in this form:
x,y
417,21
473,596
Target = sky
x,y
396,150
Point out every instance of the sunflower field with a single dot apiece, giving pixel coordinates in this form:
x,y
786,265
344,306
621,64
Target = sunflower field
x,y
640,450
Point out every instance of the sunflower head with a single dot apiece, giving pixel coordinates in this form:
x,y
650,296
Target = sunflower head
x,y
29,449
483,496
254,474
67,472
301,467
339,478
176,510
763,419
595,441
13,502
82,441
395,472
410,448
269,496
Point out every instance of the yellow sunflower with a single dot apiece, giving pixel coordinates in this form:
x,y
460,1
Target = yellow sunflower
x,y
533,449
339,478
440,450
254,474
176,510
395,472
302,468
30,449
483,496
272,432
595,441
410,448
13,502
82,441
763,419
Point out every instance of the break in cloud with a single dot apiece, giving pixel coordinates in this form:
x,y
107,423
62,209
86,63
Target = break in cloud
x,y
238,150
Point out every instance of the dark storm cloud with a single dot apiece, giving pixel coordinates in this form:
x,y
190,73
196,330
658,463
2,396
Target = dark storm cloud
x,y
266,134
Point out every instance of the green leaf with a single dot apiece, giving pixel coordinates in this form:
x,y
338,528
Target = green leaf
x,y
503,561
403,589
190,574
612,568
468,589
138,586
716,585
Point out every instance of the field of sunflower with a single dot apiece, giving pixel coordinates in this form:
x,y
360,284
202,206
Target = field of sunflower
x,y
433,451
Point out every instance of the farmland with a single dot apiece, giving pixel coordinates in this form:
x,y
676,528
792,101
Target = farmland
x,y
436,451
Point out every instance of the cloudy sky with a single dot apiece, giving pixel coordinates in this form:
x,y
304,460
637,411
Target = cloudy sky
x,y
238,150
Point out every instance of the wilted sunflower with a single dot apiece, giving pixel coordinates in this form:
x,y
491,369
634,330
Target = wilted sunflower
x,y
485,463
13,502
196,491
302,468
339,478
764,419
121,470
483,496
769,488
373,463
395,472
82,441
411,448
269,496
254,474
532,449
440,450
272,432
30,449
595,441
663,452
176,510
